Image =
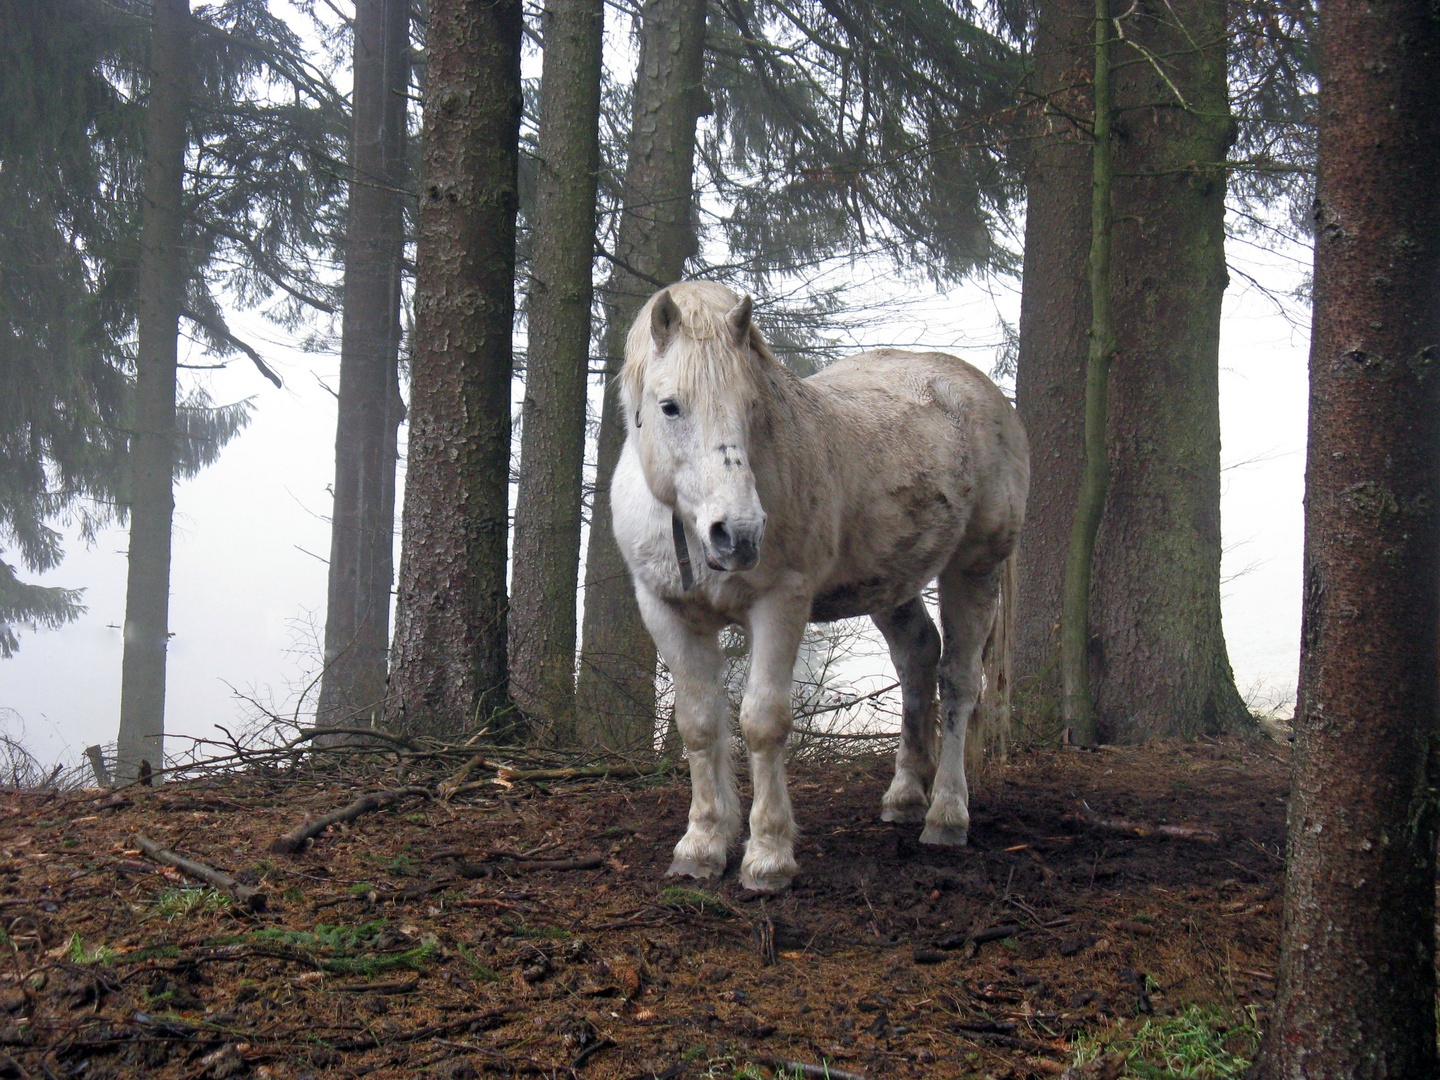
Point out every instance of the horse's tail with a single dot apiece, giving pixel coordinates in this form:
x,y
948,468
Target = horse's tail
x,y
990,723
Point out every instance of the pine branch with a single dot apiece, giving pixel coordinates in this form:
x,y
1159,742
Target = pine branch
x,y
218,330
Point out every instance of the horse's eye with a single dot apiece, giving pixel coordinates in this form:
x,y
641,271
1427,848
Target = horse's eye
x,y
670,407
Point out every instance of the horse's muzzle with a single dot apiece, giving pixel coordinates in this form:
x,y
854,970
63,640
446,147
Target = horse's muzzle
x,y
733,547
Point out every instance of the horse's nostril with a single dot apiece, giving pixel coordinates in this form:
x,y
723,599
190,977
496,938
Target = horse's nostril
x,y
720,537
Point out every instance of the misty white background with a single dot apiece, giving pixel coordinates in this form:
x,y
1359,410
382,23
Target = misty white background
x,y
251,532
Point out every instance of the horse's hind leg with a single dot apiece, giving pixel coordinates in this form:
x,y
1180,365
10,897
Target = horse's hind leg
x,y
967,609
703,716
915,651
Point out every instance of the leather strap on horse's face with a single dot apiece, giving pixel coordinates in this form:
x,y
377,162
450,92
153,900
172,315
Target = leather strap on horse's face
x,y
682,552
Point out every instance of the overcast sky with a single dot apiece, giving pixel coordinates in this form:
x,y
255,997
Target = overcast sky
x,y
248,580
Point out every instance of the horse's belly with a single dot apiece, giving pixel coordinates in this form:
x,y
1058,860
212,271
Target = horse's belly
x,y
887,555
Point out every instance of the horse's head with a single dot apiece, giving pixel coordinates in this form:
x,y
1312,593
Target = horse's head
x,y
691,386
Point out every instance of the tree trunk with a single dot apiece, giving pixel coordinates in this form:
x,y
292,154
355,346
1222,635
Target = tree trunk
x,y
615,697
161,285
1054,328
362,529
1158,660
1356,992
552,435
449,669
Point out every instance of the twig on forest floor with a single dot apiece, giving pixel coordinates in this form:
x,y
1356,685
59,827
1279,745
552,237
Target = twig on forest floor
x,y
810,1072
249,897
292,841
1029,1046
507,777
1202,833
404,986
483,1021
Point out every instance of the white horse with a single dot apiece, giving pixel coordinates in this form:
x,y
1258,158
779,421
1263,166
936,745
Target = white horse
x,y
839,495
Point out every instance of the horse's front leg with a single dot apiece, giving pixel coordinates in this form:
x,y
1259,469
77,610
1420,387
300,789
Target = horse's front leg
x,y
702,715
777,623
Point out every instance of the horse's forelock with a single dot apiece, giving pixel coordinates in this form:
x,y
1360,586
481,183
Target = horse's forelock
x,y
703,354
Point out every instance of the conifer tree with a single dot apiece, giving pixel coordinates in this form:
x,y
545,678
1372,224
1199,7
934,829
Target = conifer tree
x,y
548,502
63,379
1157,656
449,667
1356,988
160,291
655,236
362,524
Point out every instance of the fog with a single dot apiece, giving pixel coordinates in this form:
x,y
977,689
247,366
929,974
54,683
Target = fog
x,y
251,532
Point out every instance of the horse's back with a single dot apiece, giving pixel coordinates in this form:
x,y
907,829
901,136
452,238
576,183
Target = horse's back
x,y
935,466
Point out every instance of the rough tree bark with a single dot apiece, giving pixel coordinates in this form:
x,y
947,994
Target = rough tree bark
x,y
1356,992
362,529
552,434
1054,328
161,284
449,668
1159,663
615,696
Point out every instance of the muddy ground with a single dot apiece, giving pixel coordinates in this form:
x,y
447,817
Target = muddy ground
x,y
528,930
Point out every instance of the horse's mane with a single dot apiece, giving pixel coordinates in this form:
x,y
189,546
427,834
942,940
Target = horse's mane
x,y
703,353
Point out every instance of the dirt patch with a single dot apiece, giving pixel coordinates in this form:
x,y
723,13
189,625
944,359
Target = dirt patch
x,y
528,929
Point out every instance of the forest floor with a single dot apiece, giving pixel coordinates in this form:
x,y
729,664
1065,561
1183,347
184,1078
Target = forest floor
x,y
528,930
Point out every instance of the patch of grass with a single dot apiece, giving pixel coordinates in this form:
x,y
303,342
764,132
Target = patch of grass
x,y
76,952
327,939
478,968
177,903
402,865
1201,1042
518,927
376,963
293,896
345,950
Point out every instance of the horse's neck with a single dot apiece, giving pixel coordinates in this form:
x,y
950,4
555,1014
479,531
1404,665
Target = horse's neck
x,y
789,434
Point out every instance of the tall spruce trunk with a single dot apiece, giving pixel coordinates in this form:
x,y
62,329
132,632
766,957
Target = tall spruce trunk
x,y
552,434
362,529
161,285
1356,992
1159,665
1054,328
615,696
449,671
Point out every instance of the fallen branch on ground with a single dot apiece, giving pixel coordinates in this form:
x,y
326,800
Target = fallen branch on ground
x,y
483,1021
449,787
252,898
1202,833
294,840
810,1072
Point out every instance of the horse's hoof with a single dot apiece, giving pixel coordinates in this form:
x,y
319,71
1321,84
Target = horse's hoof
x,y
945,835
767,869
766,883
693,868
903,815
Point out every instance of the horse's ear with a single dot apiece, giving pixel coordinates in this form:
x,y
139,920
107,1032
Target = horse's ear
x,y
664,319
739,320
